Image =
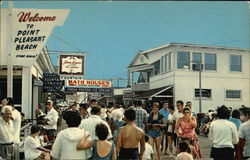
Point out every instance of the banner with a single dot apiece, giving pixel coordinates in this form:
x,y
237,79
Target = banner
x,y
88,83
31,29
71,65
77,89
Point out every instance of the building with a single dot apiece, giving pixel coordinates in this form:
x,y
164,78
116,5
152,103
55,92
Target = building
x,y
27,87
167,73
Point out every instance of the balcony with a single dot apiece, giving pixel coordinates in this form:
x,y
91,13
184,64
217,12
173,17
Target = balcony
x,y
140,86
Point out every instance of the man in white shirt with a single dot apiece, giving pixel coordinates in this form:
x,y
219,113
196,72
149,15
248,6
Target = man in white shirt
x,y
116,114
90,123
244,134
51,118
223,135
6,133
178,114
17,120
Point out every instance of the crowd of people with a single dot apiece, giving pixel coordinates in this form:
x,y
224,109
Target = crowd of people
x,y
99,132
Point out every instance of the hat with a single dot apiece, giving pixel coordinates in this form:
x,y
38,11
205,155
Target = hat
x,y
50,101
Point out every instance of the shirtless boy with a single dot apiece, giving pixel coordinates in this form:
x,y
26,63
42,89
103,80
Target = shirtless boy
x,y
128,139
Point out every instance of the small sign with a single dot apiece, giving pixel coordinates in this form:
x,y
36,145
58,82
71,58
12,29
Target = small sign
x,y
103,90
37,82
65,77
52,83
71,65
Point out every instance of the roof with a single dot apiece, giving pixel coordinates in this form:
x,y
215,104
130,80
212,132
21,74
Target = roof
x,y
173,44
165,91
194,45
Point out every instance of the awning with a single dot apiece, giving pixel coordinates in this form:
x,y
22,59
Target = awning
x,y
166,91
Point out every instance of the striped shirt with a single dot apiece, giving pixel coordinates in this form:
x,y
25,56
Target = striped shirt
x,y
141,117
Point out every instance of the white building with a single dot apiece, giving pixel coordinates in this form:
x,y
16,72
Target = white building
x,y
166,73
27,88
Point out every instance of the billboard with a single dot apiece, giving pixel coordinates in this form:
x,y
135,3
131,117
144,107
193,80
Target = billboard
x,y
71,65
31,29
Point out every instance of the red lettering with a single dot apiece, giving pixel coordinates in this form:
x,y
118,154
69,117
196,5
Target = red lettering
x,y
24,17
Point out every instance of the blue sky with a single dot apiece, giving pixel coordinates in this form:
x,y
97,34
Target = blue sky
x,y
112,32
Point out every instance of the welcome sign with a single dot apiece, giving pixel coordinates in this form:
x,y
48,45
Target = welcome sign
x,y
31,29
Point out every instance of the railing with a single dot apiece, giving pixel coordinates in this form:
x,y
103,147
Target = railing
x,y
140,86
19,147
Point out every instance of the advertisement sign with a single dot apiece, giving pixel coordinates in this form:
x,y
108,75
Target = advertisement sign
x,y
52,83
88,83
71,65
77,89
31,29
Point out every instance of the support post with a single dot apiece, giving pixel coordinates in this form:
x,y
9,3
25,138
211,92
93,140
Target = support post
x,y
9,53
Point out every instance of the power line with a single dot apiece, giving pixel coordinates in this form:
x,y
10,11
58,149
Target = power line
x,y
119,74
66,42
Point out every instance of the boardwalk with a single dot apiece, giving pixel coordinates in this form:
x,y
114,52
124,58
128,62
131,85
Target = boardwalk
x,y
205,150
204,143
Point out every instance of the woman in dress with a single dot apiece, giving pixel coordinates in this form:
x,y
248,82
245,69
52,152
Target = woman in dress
x,y
156,121
185,127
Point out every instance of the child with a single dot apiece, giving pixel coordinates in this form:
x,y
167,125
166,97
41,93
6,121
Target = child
x,y
149,152
184,149
32,146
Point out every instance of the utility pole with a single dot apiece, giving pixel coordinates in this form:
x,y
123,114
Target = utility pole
x,y
9,53
200,90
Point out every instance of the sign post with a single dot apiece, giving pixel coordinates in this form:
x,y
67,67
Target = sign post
x,y
9,52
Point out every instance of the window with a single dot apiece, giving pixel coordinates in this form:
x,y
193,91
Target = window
x,y
197,58
235,63
162,64
135,77
182,59
166,62
210,61
206,93
169,61
157,67
233,94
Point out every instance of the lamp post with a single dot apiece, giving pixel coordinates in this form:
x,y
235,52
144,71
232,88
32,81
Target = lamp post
x,y
197,66
200,91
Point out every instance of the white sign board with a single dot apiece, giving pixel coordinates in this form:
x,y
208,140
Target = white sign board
x,y
31,29
71,65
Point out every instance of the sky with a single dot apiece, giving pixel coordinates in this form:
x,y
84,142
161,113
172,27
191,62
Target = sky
x,y
111,33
